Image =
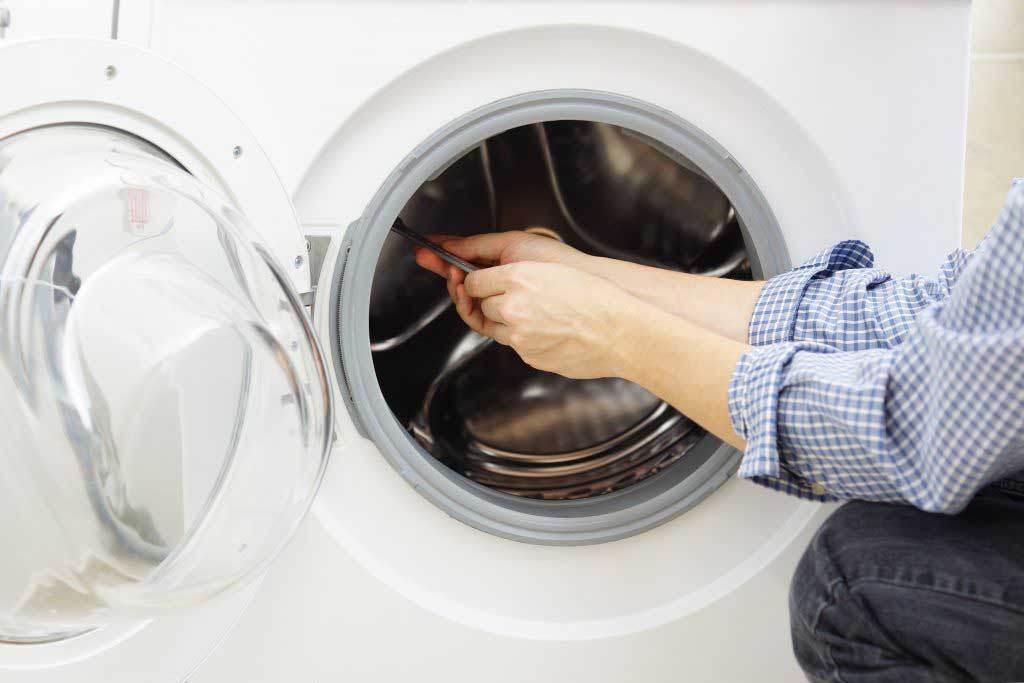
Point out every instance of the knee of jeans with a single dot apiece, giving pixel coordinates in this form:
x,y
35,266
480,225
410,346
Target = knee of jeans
x,y
820,569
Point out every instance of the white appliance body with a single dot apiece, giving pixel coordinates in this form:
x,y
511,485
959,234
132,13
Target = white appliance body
x,y
848,116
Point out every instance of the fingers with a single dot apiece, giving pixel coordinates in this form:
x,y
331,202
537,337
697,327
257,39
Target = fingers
x,y
456,275
498,332
485,285
491,308
431,261
486,282
470,313
484,248
455,278
428,259
473,315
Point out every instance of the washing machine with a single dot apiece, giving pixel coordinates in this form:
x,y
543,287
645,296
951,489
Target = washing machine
x,y
183,349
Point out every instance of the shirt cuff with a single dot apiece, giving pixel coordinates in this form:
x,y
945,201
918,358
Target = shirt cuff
x,y
774,318
753,409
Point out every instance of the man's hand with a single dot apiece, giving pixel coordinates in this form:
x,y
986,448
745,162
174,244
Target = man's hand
x,y
556,318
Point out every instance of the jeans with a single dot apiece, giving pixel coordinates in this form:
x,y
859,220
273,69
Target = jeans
x,y
890,593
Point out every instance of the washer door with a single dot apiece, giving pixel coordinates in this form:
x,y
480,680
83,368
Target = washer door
x,y
165,408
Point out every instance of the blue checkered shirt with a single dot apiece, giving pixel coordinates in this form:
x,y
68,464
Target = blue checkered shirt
x,y
909,390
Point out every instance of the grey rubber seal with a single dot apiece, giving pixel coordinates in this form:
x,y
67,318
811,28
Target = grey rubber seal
x,y
604,518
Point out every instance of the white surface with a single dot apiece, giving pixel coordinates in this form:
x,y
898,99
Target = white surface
x,y
35,19
322,617
845,124
878,87
848,115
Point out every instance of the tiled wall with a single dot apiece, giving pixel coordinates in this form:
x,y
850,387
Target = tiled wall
x,y
995,119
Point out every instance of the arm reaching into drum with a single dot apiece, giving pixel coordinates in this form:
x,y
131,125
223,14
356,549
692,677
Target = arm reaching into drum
x,y
723,306
858,385
594,328
838,297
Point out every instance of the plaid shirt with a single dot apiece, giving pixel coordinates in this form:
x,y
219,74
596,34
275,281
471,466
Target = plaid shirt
x,y
909,390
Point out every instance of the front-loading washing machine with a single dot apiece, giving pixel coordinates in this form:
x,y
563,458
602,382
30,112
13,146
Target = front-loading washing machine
x,y
478,518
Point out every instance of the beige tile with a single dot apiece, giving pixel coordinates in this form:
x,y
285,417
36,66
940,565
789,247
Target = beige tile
x,y
995,141
998,26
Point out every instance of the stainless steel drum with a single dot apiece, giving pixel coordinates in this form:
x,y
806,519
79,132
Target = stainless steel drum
x,y
474,404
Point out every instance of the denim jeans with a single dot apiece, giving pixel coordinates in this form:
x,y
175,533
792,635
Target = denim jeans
x,y
890,593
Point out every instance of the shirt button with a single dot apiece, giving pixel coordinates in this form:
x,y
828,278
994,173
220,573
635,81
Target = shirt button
x,y
818,489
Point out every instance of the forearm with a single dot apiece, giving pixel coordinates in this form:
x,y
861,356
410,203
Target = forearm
x,y
717,304
684,364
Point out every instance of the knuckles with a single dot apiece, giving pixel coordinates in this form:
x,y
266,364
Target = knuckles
x,y
518,275
523,275
514,310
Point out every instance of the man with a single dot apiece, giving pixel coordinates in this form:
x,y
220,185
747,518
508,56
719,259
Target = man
x,y
838,382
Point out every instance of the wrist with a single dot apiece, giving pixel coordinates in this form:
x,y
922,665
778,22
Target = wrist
x,y
600,266
630,337
636,280
584,262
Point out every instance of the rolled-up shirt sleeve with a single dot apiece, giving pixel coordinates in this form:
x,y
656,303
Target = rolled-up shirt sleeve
x,y
781,299
925,415
840,299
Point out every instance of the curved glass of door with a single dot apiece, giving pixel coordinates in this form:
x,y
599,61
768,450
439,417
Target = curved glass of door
x,y
165,413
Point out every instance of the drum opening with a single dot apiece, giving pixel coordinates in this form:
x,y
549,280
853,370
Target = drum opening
x,y
517,453
474,405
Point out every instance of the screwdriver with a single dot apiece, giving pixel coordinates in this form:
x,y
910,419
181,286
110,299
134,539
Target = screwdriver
x,y
400,228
